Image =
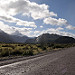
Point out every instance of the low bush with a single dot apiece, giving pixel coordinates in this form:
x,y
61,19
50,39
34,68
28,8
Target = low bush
x,y
28,49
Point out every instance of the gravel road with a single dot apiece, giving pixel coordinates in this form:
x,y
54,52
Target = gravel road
x,y
57,63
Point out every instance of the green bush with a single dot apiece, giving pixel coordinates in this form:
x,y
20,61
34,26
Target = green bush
x,y
58,46
4,53
30,52
16,52
28,49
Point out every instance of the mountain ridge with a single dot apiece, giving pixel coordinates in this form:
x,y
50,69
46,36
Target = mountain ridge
x,y
51,38
44,38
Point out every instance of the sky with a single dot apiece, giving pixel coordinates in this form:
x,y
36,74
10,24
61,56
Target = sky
x,y
35,17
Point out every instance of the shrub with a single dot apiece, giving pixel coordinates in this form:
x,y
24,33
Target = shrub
x,y
16,52
4,53
58,46
28,52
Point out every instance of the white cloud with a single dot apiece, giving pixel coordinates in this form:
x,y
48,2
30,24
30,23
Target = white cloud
x,y
6,28
54,21
53,14
11,19
60,28
10,29
27,31
36,32
54,31
41,26
70,27
60,32
26,23
36,11
58,22
11,8
39,11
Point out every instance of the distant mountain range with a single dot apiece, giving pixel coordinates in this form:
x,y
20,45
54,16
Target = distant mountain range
x,y
51,38
44,38
6,38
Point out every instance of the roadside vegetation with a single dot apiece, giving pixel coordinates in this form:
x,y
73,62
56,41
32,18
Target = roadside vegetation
x,y
9,50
